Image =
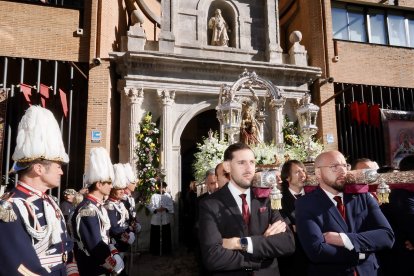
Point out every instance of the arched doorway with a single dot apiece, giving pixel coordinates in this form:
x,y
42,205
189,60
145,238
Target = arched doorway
x,y
193,133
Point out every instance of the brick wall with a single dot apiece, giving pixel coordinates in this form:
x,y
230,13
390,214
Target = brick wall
x,y
99,103
41,32
106,31
358,62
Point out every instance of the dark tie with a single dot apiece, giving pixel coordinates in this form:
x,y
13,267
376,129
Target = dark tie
x,y
340,206
245,210
298,195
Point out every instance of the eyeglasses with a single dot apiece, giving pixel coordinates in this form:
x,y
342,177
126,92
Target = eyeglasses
x,y
336,167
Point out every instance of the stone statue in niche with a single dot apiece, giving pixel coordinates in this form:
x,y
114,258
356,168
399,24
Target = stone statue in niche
x,y
220,30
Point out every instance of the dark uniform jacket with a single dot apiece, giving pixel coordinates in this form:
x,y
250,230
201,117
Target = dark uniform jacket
x,y
25,246
91,229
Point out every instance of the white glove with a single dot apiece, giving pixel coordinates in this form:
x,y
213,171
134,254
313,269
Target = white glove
x,y
131,238
119,266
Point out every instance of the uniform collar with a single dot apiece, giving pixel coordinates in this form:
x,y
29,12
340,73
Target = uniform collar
x,y
94,199
29,190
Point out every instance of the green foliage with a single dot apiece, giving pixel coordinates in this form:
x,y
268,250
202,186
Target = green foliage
x,y
147,152
295,144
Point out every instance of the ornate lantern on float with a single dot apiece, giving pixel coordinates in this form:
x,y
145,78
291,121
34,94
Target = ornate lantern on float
x,y
229,113
307,115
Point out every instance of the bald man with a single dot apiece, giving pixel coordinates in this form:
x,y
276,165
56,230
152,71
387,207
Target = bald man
x,y
340,232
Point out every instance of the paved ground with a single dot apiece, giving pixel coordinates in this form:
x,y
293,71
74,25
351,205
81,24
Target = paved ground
x,y
180,263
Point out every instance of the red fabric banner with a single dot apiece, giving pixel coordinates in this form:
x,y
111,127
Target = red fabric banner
x,y
27,92
64,102
363,112
374,115
353,107
44,92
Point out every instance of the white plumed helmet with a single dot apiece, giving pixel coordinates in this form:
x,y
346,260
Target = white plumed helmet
x,y
38,137
100,167
130,175
120,180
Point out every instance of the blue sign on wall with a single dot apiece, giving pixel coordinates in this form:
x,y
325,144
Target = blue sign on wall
x,y
96,136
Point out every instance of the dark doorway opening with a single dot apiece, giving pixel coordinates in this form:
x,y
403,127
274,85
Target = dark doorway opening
x,y
193,133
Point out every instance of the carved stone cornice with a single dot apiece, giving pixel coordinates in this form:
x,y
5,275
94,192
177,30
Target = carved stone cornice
x,y
167,97
136,96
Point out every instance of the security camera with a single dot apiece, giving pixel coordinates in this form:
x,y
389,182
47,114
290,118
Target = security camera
x,y
97,61
331,80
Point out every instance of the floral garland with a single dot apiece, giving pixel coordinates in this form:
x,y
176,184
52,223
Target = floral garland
x,y
211,150
147,152
210,154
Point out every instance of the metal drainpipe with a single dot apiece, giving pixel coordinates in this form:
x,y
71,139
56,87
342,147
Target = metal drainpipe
x,y
98,29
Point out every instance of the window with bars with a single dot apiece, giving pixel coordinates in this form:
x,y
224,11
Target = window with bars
x,y
78,4
372,25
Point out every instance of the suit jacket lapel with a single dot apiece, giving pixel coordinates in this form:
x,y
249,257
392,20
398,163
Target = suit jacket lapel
x,y
231,204
334,211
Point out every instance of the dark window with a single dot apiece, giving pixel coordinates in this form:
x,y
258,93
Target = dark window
x,y
78,4
374,25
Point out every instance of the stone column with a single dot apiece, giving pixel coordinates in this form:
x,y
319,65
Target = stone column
x,y
277,124
136,97
273,49
167,100
261,117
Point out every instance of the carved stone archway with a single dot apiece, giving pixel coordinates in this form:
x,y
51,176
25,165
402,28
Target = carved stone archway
x,y
251,81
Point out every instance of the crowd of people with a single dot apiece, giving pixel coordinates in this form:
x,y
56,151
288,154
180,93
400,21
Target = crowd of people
x,y
328,231
324,232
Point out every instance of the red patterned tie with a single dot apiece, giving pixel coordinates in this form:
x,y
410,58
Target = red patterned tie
x,y
340,206
245,208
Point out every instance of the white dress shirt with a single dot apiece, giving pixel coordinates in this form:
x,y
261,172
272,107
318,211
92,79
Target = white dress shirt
x,y
236,194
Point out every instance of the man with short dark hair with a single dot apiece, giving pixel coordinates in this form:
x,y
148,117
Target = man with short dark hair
x,y
239,233
340,232
293,175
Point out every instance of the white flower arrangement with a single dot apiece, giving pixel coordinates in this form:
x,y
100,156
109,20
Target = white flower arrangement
x,y
266,154
210,154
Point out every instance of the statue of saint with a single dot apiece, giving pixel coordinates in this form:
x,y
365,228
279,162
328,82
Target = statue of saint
x,y
249,133
220,29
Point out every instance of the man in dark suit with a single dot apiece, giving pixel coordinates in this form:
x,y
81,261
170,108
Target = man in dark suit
x,y
293,176
340,232
240,234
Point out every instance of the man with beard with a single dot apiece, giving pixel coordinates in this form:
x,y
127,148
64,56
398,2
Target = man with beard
x,y
340,232
239,233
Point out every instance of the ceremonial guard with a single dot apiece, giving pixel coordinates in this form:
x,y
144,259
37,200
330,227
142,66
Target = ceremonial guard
x,y
129,200
94,252
33,239
118,214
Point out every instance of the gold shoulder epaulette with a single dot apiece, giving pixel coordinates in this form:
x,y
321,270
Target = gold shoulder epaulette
x,y
87,211
7,213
